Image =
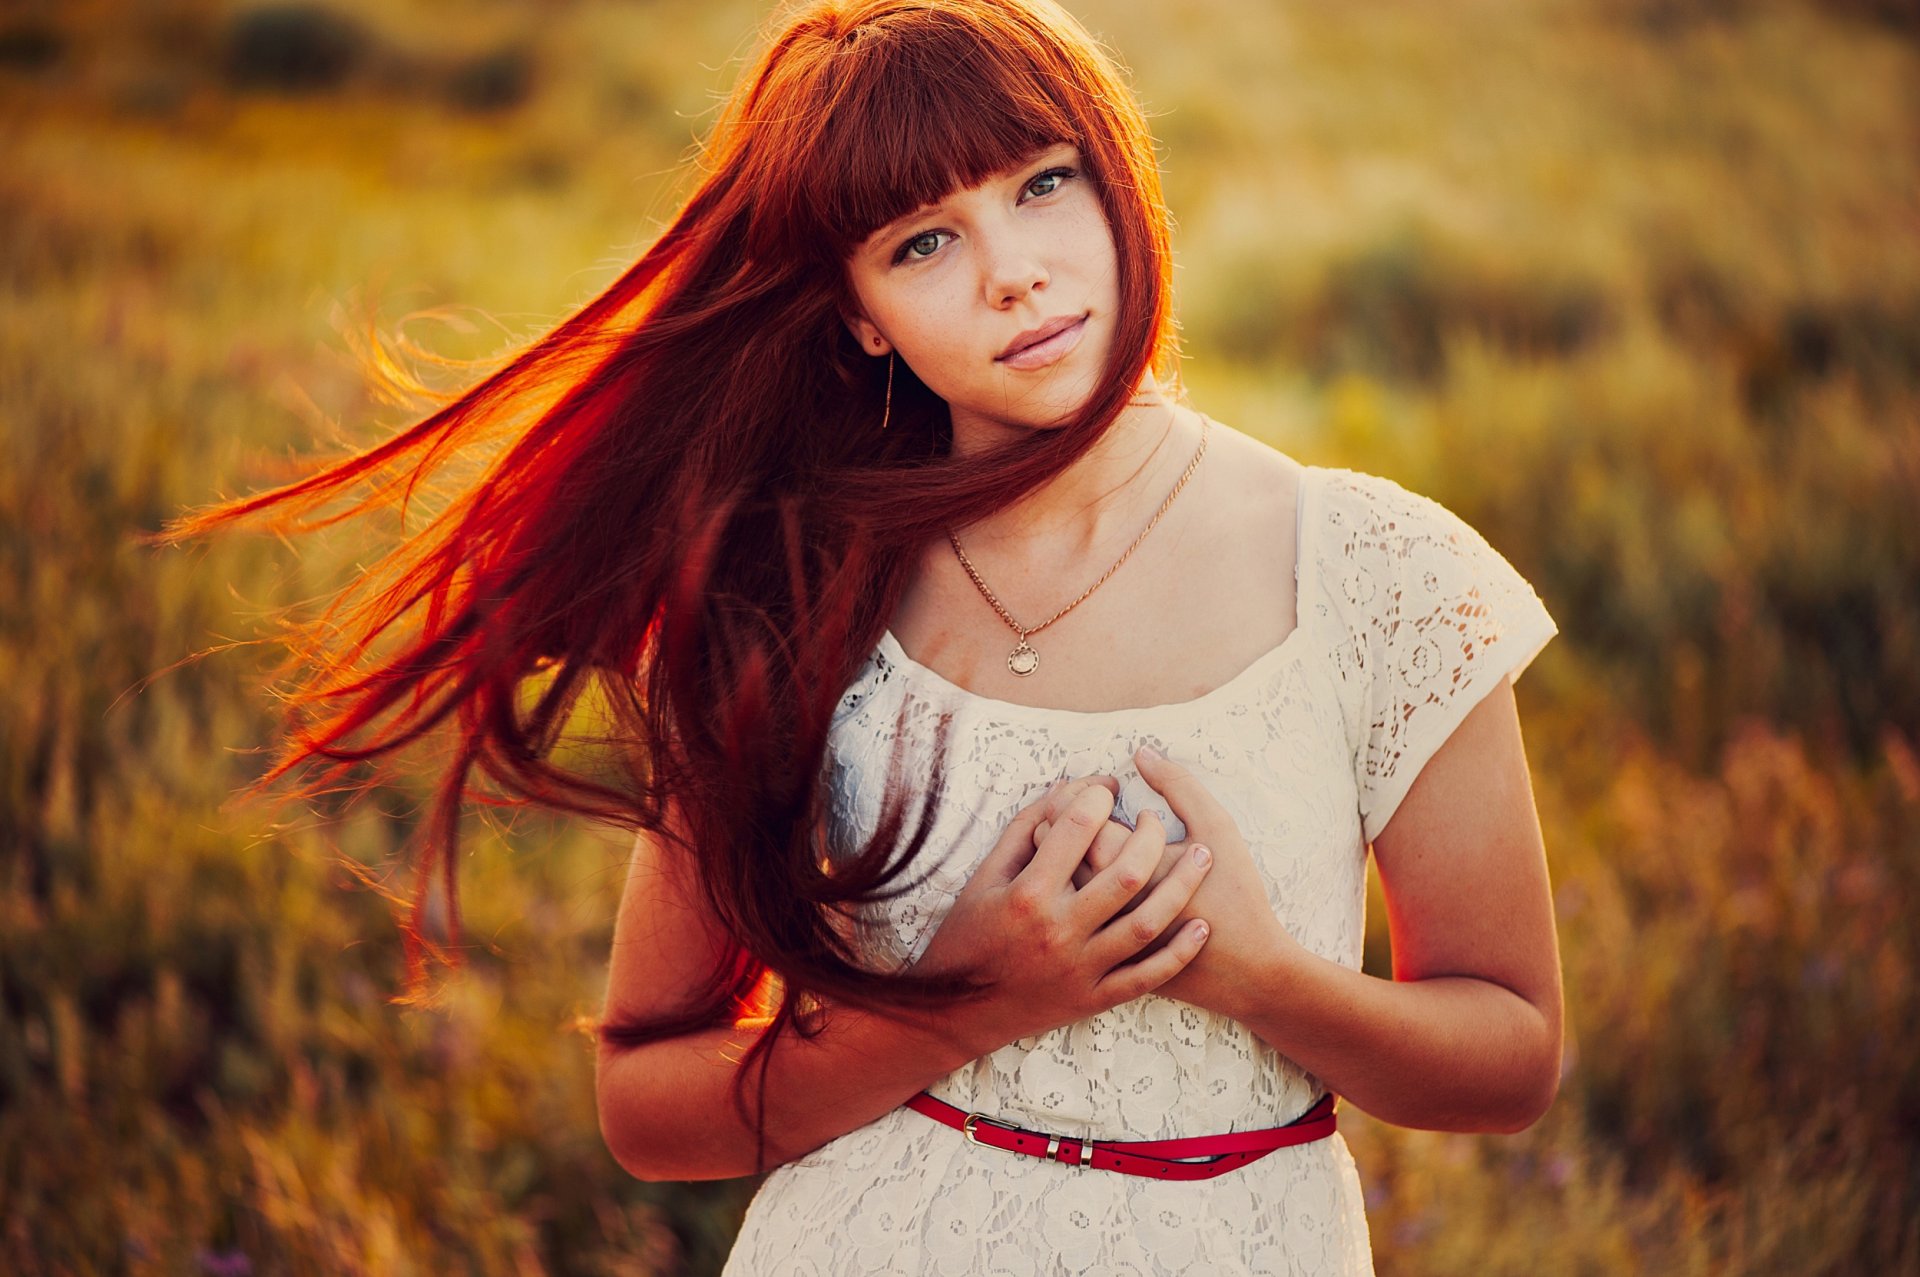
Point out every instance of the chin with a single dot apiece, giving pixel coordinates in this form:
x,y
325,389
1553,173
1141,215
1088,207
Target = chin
x,y
1048,404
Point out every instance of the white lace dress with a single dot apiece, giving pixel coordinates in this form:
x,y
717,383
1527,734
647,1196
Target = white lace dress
x,y
1406,618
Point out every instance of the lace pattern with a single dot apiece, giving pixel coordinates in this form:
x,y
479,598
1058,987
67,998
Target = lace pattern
x,y
1435,618
1405,617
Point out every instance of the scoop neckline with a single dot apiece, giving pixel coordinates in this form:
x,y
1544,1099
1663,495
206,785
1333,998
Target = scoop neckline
x,y
1273,657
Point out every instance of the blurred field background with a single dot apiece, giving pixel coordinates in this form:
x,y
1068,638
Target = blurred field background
x,y
1633,285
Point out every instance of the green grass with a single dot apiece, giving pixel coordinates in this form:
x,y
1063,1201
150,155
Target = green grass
x,y
1630,284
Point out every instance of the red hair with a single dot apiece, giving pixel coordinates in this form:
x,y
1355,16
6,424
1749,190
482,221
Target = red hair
x,y
681,500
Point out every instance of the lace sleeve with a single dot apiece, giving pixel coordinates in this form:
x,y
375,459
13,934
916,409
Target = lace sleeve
x,y
1443,618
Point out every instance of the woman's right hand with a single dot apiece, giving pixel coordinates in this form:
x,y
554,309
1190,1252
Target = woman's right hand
x,y
1053,952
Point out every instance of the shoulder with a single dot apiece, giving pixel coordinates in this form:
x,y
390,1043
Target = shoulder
x,y
1417,588
1265,489
1261,486
1376,511
1394,565
1241,450
1372,532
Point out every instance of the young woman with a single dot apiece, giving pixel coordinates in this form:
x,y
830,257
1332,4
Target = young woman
x,y
1006,739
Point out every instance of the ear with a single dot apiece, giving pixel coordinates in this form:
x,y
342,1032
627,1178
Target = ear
x,y
871,340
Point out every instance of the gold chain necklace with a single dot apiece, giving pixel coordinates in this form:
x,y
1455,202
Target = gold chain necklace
x,y
1023,660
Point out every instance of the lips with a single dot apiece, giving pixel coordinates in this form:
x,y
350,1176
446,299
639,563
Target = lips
x,y
1034,336
1040,346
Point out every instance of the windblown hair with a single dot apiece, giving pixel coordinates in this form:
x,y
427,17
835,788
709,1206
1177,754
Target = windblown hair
x,y
680,500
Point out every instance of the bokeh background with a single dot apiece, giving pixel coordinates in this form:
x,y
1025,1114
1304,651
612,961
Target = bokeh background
x,y
1632,285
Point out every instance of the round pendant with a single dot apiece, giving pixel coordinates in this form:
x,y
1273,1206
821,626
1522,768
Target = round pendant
x,y
1023,660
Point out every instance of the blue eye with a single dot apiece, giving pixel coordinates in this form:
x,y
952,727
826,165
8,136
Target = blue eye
x,y
922,245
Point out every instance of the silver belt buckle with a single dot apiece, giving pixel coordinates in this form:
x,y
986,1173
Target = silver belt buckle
x,y
966,1127
1053,1141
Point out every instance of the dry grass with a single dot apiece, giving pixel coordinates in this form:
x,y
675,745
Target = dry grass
x,y
1631,284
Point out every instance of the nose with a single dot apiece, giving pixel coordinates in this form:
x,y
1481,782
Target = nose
x,y
1012,273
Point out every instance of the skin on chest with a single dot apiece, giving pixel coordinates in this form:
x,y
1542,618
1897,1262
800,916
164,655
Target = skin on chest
x,y
1207,593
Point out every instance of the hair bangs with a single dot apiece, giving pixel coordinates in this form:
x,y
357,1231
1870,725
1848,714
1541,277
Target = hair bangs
x,y
929,103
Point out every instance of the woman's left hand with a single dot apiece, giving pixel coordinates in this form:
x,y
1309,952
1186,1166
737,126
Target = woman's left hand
x,y
1247,938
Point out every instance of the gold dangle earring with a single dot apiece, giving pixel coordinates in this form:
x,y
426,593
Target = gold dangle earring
x,y
888,413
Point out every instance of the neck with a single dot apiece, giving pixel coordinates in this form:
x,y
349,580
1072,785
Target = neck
x,y
1103,498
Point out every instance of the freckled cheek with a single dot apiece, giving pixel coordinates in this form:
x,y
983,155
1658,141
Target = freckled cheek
x,y
1085,242
942,341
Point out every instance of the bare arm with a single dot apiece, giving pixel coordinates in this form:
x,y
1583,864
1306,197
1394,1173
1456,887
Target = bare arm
x,y
666,1108
1467,1034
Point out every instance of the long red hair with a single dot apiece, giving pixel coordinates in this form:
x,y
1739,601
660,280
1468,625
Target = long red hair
x,y
680,498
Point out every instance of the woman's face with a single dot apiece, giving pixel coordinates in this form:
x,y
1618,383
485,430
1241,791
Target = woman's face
x,y
1001,297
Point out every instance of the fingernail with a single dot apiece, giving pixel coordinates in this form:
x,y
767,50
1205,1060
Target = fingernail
x,y
1201,856
1200,930
1149,751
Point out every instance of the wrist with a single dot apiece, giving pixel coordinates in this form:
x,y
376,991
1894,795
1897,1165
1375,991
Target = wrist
x,y
948,1035
1272,970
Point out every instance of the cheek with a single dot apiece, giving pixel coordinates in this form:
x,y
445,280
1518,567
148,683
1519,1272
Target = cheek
x,y
926,324
1105,255
1086,239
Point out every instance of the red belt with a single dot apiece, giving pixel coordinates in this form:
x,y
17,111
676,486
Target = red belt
x,y
1155,1159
